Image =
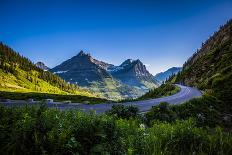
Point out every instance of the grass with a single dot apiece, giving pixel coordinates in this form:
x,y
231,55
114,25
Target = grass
x,y
30,82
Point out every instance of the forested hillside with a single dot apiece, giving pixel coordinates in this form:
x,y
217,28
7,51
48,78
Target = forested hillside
x,y
210,68
18,73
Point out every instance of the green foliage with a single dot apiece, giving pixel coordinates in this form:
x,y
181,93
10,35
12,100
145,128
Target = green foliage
x,y
38,130
162,112
205,110
183,137
222,86
163,90
122,111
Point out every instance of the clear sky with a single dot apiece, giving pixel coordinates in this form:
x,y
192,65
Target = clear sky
x,y
162,34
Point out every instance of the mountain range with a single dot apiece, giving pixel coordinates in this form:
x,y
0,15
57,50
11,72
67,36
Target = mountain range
x,y
128,80
162,76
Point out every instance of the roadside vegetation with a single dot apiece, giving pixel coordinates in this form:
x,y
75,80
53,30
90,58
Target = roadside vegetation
x,y
162,91
184,129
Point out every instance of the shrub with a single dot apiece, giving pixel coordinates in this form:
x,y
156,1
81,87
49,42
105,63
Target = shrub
x,y
122,111
205,110
161,112
222,88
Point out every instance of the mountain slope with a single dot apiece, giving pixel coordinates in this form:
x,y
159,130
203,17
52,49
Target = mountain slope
x,y
162,76
114,82
82,69
18,73
134,73
210,68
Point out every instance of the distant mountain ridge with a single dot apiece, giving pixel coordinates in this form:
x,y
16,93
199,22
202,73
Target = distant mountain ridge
x,y
130,79
162,76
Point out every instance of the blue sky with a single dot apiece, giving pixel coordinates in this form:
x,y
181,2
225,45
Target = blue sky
x,y
161,34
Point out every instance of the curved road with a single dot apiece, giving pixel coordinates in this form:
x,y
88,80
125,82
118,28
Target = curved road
x,y
186,93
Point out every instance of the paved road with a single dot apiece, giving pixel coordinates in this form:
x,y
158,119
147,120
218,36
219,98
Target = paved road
x,y
186,93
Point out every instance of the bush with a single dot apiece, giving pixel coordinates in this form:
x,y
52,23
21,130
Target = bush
x,y
161,112
205,110
222,88
122,111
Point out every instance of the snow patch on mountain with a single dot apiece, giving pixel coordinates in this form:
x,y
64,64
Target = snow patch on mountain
x,y
114,69
60,72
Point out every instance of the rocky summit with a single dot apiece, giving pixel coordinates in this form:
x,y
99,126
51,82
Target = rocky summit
x,y
42,66
82,69
133,73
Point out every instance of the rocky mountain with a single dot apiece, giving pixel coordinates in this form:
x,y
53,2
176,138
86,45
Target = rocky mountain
x,y
82,69
133,73
42,66
210,67
130,79
162,76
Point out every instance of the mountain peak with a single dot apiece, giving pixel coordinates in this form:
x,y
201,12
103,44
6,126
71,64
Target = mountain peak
x,y
42,66
127,62
137,61
82,53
